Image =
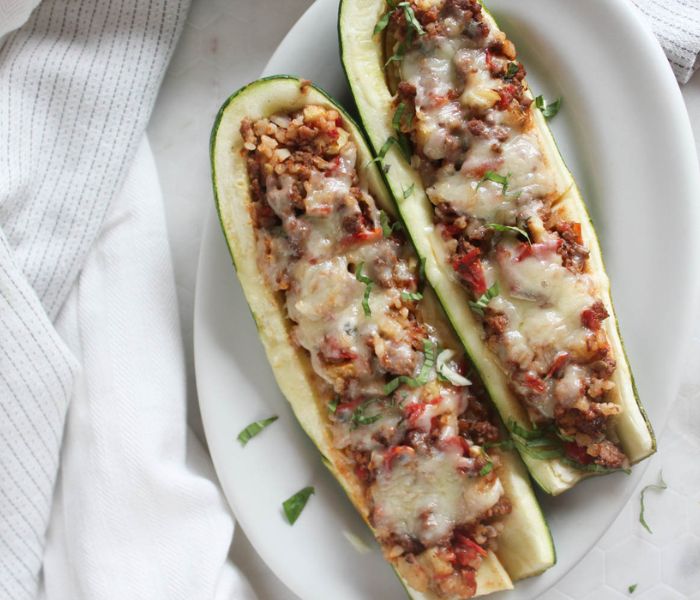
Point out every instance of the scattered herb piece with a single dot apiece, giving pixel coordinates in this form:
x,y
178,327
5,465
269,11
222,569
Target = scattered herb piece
x,y
411,296
483,300
254,429
486,469
384,20
548,110
422,377
408,191
360,418
413,23
368,288
503,445
512,70
384,221
448,374
296,503
516,230
333,405
631,588
398,113
661,485
501,180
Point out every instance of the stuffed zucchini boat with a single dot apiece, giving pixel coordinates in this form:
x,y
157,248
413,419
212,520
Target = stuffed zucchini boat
x,y
510,248
362,352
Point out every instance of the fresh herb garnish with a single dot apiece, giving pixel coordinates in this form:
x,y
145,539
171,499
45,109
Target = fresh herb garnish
x,y
296,503
333,405
448,374
413,23
360,418
398,113
401,142
411,296
483,300
486,469
408,191
501,180
254,429
512,70
503,445
661,485
384,222
516,230
368,288
548,110
631,588
384,20
423,375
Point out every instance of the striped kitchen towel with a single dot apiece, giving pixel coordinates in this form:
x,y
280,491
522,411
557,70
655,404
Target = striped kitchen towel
x,y
676,24
77,84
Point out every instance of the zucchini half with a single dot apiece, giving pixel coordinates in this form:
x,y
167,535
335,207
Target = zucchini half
x,y
362,56
525,545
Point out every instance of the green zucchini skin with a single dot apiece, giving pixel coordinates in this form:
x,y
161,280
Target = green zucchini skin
x,y
361,55
526,546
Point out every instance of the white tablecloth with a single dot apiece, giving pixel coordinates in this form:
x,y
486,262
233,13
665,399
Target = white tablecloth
x,y
224,47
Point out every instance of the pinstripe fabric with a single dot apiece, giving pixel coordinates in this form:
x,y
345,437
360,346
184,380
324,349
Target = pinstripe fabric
x,y
77,84
676,24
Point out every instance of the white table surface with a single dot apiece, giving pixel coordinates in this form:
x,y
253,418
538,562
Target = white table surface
x,y
225,44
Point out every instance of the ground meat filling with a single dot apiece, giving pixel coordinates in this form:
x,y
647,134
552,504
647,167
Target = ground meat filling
x,y
462,107
410,425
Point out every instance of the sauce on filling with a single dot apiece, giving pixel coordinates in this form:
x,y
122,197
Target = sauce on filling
x,y
462,105
410,427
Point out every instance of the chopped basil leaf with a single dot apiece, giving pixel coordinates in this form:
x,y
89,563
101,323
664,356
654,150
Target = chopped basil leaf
x,y
384,221
383,22
501,180
404,145
631,588
591,468
396,120
254,429
512,70
408,191
516,230
401,142
486,469
527,434
661,485
368,288
296,503
483,300
411,18
360,418
503,445
548,110
333,405
411,296
422,378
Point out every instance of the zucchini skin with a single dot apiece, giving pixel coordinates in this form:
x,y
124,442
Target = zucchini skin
x,y
361,54
530,546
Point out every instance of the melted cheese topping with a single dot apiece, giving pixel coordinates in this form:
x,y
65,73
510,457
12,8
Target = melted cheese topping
x,y
457,78
315,257
426,498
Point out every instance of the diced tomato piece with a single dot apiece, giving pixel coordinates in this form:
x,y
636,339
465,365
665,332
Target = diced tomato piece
x,y
534,382
365,235
334,134
469,268
449,231
395,453
558,362
524,250
339,122
457,442
362,472
507,93
593,316
577,453
465,542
